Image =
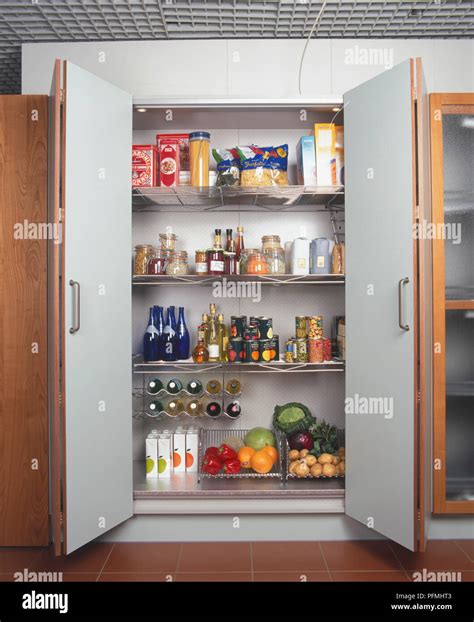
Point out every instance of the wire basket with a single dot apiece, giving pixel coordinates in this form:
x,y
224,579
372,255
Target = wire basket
x,y
215,438
284,449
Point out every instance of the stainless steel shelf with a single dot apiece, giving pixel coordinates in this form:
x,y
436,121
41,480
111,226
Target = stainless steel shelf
x,y
264,198
267,279
460,389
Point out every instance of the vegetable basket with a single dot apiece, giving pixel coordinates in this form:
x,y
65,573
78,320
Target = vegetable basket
x,y
284,450
215,438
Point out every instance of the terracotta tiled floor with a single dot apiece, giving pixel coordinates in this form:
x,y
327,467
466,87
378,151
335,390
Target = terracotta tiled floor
x,y
244,561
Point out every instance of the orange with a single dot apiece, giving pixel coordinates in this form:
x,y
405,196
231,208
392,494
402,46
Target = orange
x,y
272,452
261,461
245,455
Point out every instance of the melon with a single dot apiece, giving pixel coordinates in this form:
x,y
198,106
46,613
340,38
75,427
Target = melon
x,y
257,438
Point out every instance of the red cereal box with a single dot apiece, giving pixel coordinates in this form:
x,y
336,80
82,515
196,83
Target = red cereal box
x,y
169,163
183,140
144,166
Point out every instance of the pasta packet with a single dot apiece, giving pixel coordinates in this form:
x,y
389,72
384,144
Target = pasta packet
x,y
228,170
263,166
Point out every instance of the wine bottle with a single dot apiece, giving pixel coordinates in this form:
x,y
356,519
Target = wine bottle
x,y
239,247
183,337
154,386
194,387
233,386
200,352
230,244
151,340
205,327
233,410
155,407
213,409
174,386
213,341
223,337
170,340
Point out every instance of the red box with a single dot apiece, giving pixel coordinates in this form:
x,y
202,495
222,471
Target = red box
x,y
169,163
144,166
183,140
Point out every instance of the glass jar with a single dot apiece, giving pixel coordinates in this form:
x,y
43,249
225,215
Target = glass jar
x,y
168,241
199,147
257,264
244,256
275,260
178,263
270,241
230,263
143,254
158,262
200,262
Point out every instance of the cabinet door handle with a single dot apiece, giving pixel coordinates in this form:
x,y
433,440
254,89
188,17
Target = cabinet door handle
x,y
76,306
401,303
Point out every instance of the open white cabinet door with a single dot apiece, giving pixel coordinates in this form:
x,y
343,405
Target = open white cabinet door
x,y
381,305
94,425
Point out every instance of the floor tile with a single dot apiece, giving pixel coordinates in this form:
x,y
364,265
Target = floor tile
x,y
213,577
291,577
15,559
89,558
368,577
215,557
439,555
468,547
283,556
136,576
143,557
359,555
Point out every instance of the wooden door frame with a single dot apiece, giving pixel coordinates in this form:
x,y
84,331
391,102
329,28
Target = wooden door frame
x,y
442,103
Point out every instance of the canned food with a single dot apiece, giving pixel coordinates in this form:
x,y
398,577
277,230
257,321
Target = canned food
x,y
315,326
265,328
301,351
289,351
275,348
327,350
251,351
253,319
265,350
300,323
251,332
237,325
236,350
315,350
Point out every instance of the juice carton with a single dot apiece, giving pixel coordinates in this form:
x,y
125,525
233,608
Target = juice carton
x,y
179,450
164,454
340,154
151,453
191,450
306,161
325,149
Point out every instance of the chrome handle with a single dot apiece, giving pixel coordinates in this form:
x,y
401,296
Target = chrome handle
x,y
76,306
401,303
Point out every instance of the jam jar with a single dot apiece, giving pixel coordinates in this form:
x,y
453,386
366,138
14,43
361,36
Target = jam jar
x,y
143,253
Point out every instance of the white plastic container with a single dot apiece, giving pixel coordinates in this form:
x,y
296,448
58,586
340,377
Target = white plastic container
x,y
179,450
192,450
164,454
300,256
151,454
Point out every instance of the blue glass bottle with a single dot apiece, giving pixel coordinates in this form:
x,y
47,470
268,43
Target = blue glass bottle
x,y
160,327
183,337
151,340
170,338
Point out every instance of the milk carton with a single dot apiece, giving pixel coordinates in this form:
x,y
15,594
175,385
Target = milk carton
x,y
151,454
164,454
191,450
179,450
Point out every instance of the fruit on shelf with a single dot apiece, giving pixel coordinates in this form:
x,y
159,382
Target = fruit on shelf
x,y
234,441
232,466
211,464
292,417
261,462
227,453
272,452
257,438
245,455
211,451
302,439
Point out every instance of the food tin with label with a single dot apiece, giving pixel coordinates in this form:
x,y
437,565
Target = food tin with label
x,y
236,350
301,351
265,327
300,323
315,326
327,347
315,350
237,325
265,349
251,332
275,348
253,320
289,351
251,351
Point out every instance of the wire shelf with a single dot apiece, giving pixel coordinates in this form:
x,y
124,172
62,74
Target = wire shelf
x,y
268,279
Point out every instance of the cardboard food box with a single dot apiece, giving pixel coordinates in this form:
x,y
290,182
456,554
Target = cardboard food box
x,y
183,140
325,153
151,454
306,161
339,150
192,444
144,166
179,451
169,163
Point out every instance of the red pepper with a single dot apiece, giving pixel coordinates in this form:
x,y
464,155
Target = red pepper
x,y
232,466
211,465
212,451
226,452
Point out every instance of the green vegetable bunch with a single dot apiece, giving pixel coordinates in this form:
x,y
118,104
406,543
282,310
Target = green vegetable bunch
x,y
325,438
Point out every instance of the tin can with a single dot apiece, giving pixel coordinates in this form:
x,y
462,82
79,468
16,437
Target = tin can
x,y
289,351
301,351
265,327
300,323
327,349
275,348
315,326
251,332
237,325
253,320
236,350
251,351
265,350
315,350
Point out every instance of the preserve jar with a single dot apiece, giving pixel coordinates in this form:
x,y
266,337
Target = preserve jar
x,y
178,263
270,242
275,260
168,241
143,253
158,261
199,147
244,256
200,262
257,264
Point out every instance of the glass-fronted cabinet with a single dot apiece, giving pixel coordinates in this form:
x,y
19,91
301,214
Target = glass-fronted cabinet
x,y
452,167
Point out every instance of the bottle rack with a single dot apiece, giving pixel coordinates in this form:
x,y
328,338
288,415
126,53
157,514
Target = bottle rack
x,y
185,393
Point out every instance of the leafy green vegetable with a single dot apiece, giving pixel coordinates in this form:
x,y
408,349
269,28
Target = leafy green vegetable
x,y
325,438
292,417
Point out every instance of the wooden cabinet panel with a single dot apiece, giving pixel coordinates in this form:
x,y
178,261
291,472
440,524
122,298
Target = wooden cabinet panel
x,y
23,321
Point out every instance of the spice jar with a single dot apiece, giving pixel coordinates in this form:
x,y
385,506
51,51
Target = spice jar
x,y
257,264
143,253
270,241
158,261
178,263
244,256
275,260
200,262
230,263
199,146
168,241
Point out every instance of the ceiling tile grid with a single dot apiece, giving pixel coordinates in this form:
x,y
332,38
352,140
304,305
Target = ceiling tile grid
x,y
26,21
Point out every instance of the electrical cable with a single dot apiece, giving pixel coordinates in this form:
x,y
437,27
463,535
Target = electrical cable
x,y
316,21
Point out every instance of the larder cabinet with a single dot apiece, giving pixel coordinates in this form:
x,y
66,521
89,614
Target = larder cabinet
x,y
98,462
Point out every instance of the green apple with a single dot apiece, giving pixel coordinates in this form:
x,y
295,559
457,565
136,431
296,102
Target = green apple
x,y
161,465
150,463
